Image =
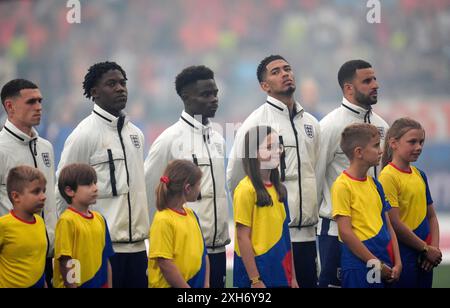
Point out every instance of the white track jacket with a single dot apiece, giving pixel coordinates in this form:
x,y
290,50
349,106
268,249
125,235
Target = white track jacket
x,y
17,148
118,158
333,161
189,139
300,137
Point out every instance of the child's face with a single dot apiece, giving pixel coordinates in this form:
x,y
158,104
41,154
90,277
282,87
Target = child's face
x,y
372,152
85,195
32,199
269,152
409,146
192,192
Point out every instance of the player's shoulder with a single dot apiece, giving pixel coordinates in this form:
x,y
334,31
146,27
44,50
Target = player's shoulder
x,y
45,143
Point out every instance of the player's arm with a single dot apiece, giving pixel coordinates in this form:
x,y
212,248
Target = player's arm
x,y
235,167
247,253
157,159
171,273
327,149
64,269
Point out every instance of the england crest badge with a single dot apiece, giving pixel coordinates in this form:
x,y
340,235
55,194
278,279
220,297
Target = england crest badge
x,y
135,141
46,159
309,131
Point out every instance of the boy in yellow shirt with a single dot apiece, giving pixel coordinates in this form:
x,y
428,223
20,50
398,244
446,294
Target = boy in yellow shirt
x,y
370,254
23,238
82,242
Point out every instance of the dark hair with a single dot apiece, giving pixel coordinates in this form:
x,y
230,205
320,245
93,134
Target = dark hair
x,y
252,166
13,88
348,70
262,67
397,130
95,73
20,177
178,173
74,175
357,135
191,75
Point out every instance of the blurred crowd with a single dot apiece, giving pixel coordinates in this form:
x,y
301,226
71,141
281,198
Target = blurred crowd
x,y
153,40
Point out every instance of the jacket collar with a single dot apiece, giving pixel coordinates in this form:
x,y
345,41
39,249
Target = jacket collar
x,y
356,111
282,108
108,118
19,135
198,127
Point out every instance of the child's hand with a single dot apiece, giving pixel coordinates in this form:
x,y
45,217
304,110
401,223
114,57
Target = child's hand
x,y
396,272
259,285
426,265
294,284
386,272
433,256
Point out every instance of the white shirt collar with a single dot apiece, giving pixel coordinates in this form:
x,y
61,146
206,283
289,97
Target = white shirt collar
x,y
194,123
19,135
355,109
279,105
108,118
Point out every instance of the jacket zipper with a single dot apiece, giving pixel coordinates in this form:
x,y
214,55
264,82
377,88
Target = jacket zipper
x,y
214,193
298,170
128,182
33,153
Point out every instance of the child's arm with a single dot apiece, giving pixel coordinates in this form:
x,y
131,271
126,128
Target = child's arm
x,y
64,269
207,273
171,273
356,246
428,264
294,283
408,237
397,269
247,253
109,275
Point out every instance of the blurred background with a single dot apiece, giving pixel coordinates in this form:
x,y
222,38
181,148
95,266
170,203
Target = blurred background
x,y
153,40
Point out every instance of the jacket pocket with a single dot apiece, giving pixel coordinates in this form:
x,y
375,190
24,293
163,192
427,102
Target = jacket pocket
x,y
109,164
206,185
291,161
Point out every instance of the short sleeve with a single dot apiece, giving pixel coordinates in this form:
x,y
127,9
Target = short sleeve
x,y
2,236
64,238
161,238
108,251
244,201
386,205
429,199
341,199
390,188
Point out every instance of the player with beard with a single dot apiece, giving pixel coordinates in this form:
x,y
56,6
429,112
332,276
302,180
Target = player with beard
x,y
360,89
299,134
